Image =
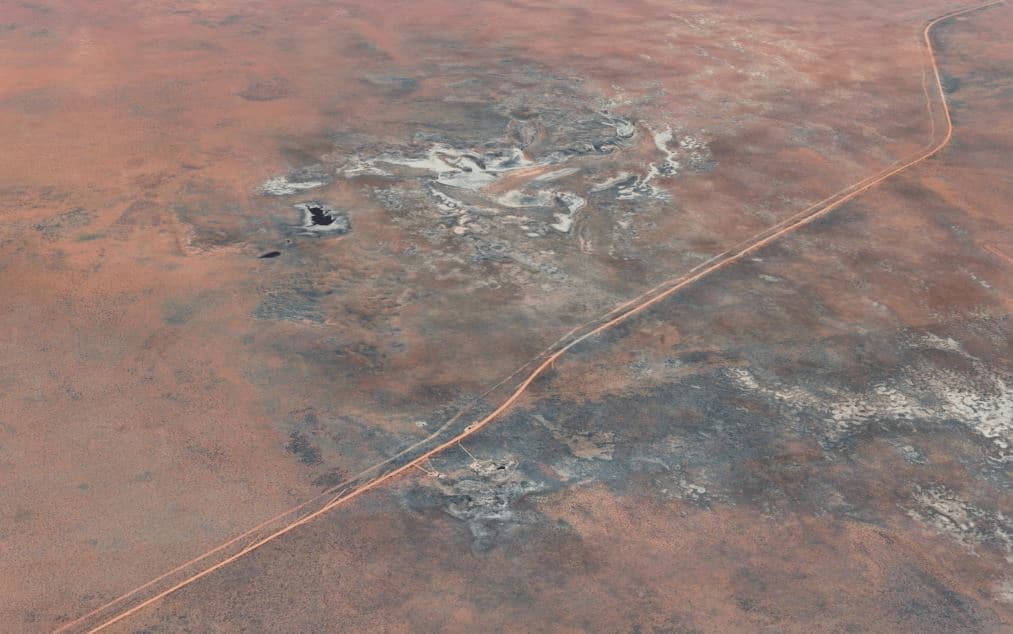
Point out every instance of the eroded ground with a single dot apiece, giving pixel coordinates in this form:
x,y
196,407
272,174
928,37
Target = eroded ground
x,y
249,252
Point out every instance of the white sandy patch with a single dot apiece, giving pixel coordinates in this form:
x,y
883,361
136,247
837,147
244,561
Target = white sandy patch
x,y
982,402
281,186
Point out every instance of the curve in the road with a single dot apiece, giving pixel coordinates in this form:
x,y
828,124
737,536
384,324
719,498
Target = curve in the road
x,y
454,431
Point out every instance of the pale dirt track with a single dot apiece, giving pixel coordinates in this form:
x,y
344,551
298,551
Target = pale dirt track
x,y
451,434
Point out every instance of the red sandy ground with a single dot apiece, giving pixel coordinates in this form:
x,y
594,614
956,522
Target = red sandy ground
x,y
144,413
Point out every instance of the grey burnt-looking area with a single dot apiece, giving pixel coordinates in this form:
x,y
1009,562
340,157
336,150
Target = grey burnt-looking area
x,y
717,429
508,180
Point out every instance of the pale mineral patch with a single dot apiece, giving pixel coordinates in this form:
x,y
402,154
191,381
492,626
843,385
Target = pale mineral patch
x,y
282,186
942,510
982,402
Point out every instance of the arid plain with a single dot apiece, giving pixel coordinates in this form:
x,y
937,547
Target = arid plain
x,y
255,256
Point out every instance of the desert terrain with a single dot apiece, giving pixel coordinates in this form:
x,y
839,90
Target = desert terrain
x,y
506,316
